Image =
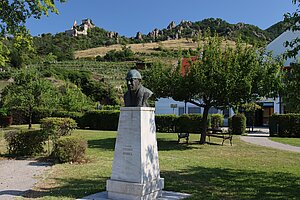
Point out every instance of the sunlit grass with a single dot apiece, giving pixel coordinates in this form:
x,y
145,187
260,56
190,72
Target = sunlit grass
x,y
290,141
241,171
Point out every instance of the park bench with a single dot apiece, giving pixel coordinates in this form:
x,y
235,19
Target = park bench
x,y
183,135
219,133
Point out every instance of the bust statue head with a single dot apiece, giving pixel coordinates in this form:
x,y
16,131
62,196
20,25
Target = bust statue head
x,y
137,95
133,80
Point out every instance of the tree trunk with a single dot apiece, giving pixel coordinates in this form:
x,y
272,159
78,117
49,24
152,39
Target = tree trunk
x,y
30,119
204,125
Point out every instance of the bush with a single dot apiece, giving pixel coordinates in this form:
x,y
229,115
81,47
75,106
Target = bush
x,y
166,123
217,120
238,124
189,123
285,125
25,143
100,120
70,149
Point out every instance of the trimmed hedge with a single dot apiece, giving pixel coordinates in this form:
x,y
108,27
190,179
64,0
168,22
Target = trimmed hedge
x,y
100,120
285,125
189,123
238,124
166,123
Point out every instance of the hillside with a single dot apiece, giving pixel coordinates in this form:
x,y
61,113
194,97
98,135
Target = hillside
x,y
146,48
63,45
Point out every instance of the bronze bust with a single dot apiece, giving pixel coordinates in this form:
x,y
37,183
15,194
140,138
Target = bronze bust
x,y
137,95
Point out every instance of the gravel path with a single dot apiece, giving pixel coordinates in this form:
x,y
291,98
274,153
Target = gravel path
x,y
262,140
17,176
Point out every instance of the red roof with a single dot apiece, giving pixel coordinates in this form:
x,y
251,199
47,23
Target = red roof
x,y
186,62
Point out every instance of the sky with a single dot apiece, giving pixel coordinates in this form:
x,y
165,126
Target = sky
x,y
127,17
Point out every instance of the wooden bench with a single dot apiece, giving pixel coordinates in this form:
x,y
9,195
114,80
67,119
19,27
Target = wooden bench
x,y
183,135
219,133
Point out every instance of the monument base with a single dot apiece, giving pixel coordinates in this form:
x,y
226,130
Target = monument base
x,y
166,195
128,191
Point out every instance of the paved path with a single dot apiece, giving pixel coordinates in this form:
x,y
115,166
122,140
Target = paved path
x,y
17,176
263,140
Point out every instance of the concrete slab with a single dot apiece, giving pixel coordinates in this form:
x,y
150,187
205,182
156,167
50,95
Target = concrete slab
x,y
166,195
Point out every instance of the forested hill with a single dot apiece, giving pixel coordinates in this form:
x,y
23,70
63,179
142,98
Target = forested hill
x,y
63,45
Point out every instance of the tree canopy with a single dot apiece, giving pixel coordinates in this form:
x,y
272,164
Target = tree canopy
x,y
293,20
218,77
14,13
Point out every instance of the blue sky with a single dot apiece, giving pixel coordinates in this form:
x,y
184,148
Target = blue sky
x,y
127,17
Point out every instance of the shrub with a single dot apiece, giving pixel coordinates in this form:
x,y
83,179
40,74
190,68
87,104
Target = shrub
x,y
190,123
58,126
285,125
165,123
217,120
238,124
25,143
70,149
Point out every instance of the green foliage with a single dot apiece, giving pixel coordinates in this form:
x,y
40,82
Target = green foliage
x,y
165,123
29,91
218,77
238,124
57,127
25,143
4,53
70,149
126,54
285,125
293,19
14,13
100,120
72,98
217,120
291,92
189,123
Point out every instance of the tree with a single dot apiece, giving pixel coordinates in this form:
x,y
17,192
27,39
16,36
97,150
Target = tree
x,y
293,21
30,91
218,77
72,98
291,93
14,13
13,16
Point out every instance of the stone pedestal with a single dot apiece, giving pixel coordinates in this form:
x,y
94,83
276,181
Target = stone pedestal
x,y
135,170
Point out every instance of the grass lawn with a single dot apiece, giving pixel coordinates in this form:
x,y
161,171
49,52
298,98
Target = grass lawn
x,y
241,171
290,141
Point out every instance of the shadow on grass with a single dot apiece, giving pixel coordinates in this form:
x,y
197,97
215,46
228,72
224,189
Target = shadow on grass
x,y
217,183
72,188
169,145
201,182
106,144
163,144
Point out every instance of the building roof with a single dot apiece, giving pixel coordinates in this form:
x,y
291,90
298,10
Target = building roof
x,y
278,48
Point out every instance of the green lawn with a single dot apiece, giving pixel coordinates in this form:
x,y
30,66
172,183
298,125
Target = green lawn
x,y
290,141
241,171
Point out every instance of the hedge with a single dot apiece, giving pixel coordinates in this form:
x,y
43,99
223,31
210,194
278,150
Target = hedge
x,y
100,120
285,125
189,123
108,120
166,123
238,124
